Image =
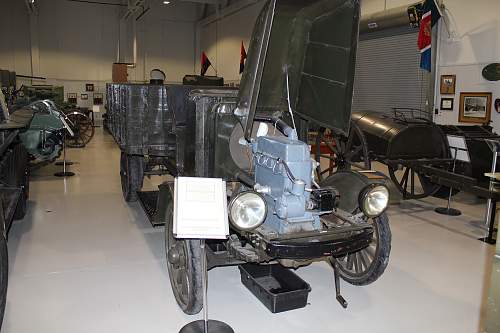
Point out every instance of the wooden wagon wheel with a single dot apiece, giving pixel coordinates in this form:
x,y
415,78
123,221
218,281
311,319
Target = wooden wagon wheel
x,y
406,182
83,129
343,152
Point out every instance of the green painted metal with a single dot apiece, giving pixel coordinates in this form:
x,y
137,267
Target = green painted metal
x,y
314,43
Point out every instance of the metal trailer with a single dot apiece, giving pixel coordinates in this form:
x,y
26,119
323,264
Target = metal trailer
x,y
301,62
418,156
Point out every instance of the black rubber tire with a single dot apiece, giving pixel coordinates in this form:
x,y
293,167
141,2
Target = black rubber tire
x,y
381,260
4,276
131,175
193,302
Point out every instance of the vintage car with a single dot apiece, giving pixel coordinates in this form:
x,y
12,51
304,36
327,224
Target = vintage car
x,y
298,76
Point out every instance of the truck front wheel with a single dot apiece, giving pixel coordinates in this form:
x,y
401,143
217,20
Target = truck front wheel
x,y
184,268
367,265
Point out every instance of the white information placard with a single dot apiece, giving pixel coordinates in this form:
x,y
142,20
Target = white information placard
x,y
200,208
458,144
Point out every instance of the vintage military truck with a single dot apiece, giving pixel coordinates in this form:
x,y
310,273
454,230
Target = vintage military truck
x,y
298,76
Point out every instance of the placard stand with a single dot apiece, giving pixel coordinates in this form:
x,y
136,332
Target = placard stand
x,y
457,144
196,201
205,325
64,173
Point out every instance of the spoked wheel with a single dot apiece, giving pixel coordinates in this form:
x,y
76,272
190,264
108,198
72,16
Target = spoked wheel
x,y
367,265
184,268
131,175
83,129
412,184
344,153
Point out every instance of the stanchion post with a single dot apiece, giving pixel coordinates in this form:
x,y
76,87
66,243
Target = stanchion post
x,y
448,210
64,173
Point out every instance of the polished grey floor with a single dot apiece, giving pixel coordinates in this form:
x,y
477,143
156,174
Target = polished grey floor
x,y
85,261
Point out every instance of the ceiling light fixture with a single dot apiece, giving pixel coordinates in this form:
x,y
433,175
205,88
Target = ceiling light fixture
x,y
166,2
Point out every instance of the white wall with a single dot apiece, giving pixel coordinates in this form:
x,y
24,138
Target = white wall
x,y
78,42
473,44
14,36
221,41
166,40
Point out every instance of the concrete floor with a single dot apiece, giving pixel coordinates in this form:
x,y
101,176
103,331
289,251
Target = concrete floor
x,y
85,261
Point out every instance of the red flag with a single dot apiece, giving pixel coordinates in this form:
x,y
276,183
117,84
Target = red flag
x,y
205,63
243,56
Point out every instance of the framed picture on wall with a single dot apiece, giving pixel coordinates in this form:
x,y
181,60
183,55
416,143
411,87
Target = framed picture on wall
x,y
72,98
89,87
448,84
98,98
447,104
475,107
84,96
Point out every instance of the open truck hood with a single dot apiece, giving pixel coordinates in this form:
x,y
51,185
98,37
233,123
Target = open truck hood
x,y
314,42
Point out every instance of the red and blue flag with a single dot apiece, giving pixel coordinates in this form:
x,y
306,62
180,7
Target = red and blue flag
x,y
431,15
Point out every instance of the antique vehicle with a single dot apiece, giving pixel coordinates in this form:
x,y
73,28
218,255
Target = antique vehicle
x,y
14,185
300,70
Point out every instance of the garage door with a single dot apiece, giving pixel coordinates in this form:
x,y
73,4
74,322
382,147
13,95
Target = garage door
x,y
388,73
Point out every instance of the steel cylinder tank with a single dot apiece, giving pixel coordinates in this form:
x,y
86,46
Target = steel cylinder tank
x,y
390,138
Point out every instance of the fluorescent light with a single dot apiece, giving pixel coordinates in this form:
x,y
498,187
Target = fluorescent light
x,y
166,2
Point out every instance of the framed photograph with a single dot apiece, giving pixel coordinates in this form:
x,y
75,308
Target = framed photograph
x,y
72,98
475,108
98,98
447,104
89,87
497,105
448,83
84,96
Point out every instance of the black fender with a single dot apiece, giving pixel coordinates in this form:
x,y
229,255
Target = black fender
x,y
165,196
350,184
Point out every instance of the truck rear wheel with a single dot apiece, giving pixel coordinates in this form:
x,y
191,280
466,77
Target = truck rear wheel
x,y
131,175
184,268
367,265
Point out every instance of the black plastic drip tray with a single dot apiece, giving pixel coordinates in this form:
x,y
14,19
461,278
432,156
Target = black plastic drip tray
x,y
277,287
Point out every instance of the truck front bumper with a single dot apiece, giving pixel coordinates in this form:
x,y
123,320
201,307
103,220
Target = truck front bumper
x,y
334,242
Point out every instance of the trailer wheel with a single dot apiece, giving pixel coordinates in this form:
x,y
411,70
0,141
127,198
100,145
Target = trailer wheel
x,y
184,268
407,185
367,265
83,129
4,274
344,153
132,175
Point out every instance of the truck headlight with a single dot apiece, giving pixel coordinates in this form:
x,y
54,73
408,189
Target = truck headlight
x,y
247,210
373,200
